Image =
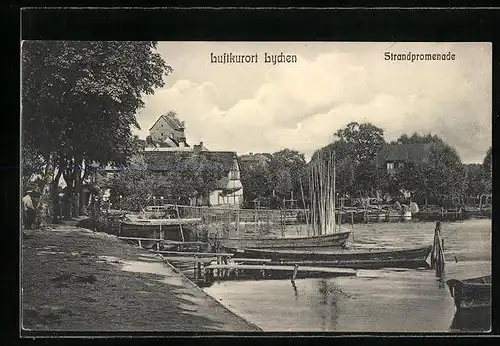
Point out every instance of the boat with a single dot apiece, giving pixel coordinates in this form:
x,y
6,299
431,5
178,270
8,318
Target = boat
x,y
473,303
172,229
338,239
356,258
136,222
471,293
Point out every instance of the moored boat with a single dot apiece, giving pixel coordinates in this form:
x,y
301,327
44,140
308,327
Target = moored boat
x,y
401,257
338,239
471,293
473,303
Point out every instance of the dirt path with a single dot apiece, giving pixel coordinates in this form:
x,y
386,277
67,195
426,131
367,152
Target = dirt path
x,y
77,280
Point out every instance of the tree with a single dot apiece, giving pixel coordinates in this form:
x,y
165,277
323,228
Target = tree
x,y
256,182
363,141
193,177
132,188
79,100
487,172
412,177
355,150
473,181
197,177
286,168
441,173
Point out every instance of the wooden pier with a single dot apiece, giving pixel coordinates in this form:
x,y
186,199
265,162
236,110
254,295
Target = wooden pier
x,y
262,271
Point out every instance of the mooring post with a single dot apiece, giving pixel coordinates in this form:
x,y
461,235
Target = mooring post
x,y
437,254
294,275
195,267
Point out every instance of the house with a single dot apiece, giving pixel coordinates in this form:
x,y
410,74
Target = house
x,y
255,160
167,132
229,190
394,156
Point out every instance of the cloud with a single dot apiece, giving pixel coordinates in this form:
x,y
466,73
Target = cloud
x,y
300,106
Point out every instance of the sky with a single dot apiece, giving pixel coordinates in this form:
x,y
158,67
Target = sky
x,y
263,107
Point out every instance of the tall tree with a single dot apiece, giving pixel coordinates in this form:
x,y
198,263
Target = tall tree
x,y
192,177
441,173
256,181
287,167
79,100
363,141
487,172
355,149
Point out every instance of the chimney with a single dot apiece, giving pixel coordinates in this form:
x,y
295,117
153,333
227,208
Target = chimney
x,y
198,147
182,142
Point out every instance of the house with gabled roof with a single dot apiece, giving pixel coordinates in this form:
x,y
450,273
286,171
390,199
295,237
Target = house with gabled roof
x,y
166,146
394,156
229,190
168,131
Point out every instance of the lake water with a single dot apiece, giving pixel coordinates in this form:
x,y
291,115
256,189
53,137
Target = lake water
x,y
386,300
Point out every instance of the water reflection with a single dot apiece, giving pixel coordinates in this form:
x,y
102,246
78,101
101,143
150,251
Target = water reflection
x,y
472,320
295,290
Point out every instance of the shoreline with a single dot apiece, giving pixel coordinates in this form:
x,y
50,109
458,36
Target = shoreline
x,y
76,280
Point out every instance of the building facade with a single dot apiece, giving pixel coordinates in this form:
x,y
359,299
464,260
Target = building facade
x,y
394,156
168,131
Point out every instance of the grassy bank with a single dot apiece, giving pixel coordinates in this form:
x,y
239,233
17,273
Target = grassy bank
x,y
77,280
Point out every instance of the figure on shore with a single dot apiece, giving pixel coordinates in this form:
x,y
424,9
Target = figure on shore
x,y
29,211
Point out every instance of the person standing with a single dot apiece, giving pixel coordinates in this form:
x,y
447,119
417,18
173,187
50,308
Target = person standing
x,y
29,212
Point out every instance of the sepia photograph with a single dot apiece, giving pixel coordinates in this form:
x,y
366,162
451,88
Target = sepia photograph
x,y
255,187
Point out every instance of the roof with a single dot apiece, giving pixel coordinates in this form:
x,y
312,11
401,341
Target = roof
x,y
174,123
417,153
168,160
255,158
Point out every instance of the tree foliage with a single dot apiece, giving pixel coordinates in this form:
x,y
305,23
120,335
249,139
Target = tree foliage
x,y
363,141
487,179
192,177
282,175
287,168
440,175
355,151
257,183
79,100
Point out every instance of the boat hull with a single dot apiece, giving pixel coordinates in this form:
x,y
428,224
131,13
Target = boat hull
x,y
324,241
471,293
473,303
170,231
409,257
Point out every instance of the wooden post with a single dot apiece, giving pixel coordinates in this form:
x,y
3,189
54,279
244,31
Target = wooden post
x,y
303,200
180,222
294,275
437,254
162,237
195,267
237,221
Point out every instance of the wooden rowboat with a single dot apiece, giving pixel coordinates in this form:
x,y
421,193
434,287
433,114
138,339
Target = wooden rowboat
x,y
338,239
360,259
157,222
473,302
471,293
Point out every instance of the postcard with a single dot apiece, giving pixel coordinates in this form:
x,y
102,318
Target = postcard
x,y
256,187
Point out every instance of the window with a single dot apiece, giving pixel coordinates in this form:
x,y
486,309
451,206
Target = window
x,y
234,175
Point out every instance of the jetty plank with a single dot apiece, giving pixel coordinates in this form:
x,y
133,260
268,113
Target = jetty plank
x,y
198,254
339,271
